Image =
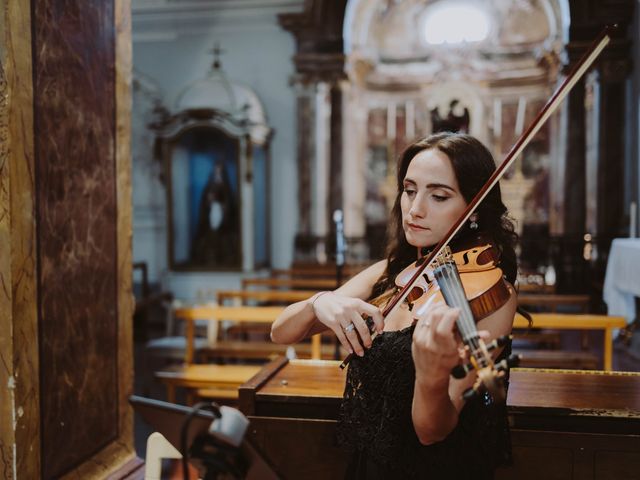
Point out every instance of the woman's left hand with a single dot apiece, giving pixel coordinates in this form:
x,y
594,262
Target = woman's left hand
x,y
435,348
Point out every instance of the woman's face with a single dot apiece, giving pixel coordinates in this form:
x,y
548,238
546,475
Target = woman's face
x,y
431,201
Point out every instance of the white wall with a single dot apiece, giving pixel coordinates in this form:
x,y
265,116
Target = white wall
x,y
173,47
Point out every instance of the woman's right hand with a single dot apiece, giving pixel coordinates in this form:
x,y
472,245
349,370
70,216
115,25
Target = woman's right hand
x,y
338,312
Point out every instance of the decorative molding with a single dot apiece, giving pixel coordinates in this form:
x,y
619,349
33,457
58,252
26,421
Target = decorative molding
x,y
165,20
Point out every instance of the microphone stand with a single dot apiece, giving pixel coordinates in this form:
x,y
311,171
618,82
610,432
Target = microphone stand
x,y
341,249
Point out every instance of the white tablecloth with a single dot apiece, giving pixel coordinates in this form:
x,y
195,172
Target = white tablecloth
x,y
622,280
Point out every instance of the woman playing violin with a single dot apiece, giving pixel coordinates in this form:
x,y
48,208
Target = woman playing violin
x,y
403,415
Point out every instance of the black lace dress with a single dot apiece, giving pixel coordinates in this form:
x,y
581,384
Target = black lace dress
x,y
375,422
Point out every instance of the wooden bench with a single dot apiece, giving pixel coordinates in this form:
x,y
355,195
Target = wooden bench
x,y
319,270
561,359
221,377
535,288
194,376
248,350
568,321
558,321
258,298
239,297
315,284
551,302
261,315
536,339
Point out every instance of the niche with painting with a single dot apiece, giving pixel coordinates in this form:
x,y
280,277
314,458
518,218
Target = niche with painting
x,y
216,170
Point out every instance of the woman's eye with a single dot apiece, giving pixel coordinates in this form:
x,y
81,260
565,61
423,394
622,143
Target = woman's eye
x,y
409,191
439,198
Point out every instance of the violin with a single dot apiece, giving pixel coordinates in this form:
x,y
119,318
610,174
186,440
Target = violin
x,y
482,280
478,289
417,277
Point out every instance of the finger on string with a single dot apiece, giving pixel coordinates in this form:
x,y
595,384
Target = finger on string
x,y
447,322
434,317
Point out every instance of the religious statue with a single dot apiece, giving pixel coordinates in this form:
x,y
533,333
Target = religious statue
x,y
217,238
452,122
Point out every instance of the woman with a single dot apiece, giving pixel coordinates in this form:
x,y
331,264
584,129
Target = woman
x,y
403,415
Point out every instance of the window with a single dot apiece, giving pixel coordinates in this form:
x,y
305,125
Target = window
x,y
455,22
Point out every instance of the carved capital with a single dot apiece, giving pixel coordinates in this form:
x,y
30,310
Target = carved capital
x,y
318,34
319,67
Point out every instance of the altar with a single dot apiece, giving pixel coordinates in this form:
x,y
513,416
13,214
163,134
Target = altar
x,y
622,279
566,424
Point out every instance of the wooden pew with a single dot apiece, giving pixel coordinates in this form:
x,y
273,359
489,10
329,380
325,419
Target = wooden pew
x,y
319,270
240,297
224,378
258,298
263,315
550,302
565,424
315,284
559,321
533,288
568,321
229,377
559,359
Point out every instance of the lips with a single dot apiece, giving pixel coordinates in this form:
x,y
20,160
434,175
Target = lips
x,y
416,227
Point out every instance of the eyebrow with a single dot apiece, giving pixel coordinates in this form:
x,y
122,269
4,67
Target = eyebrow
x,y
430,185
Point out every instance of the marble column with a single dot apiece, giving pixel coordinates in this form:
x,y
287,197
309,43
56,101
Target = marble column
x,y
65,229
319,62
612,100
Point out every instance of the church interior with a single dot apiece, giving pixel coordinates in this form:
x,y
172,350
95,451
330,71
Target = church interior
x,y
174,173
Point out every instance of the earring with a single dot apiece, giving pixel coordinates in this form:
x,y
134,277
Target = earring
x,y
473,222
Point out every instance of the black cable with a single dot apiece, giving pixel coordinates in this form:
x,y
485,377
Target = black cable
x,y
184,430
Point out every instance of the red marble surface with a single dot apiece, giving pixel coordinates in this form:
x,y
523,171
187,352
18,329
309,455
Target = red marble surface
x,y
74,51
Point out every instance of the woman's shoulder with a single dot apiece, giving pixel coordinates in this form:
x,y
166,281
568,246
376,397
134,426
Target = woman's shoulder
x,y
376,269
361,284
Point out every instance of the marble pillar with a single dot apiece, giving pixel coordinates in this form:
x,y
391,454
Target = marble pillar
x,y
65,229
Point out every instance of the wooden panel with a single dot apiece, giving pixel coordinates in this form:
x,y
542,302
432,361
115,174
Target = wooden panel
x,y
119,456
620,465
533,463
575,390
577,456
19,380
76,160
300,448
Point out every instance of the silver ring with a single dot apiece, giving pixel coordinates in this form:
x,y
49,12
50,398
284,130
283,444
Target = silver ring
x,y
349,328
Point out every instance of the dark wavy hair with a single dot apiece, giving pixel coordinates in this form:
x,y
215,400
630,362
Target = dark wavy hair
x,y
472,164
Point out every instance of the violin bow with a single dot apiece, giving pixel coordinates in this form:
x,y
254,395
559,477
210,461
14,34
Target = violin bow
x,y
577,72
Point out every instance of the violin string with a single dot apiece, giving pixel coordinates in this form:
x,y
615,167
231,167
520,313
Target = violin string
x,y
454,286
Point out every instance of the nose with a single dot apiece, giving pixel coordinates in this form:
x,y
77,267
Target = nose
x,y
418,208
